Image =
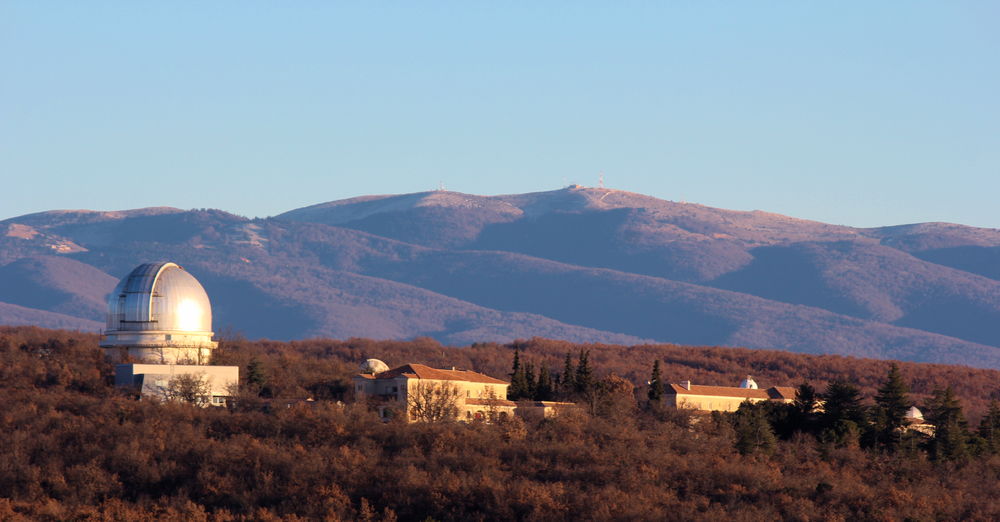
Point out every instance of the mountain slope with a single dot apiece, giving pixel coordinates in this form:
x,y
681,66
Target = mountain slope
x,y
15,315
874,282
587,265
57,284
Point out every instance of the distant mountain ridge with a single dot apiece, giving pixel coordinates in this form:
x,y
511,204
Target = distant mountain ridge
x,y
582,264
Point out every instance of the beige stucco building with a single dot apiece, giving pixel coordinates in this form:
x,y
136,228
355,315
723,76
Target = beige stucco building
x,y
408,388
723,398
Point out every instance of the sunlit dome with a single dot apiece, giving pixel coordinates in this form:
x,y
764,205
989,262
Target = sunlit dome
x,y
914,413
160,313
748,383
374,366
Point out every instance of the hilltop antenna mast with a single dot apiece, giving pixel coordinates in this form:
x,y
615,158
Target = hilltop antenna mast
x,y
600,181
440,186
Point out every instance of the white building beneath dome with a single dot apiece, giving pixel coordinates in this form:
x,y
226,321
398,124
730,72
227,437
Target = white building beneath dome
x,y
160,325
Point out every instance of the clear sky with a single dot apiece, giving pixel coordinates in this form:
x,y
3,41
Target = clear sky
x,y
858,113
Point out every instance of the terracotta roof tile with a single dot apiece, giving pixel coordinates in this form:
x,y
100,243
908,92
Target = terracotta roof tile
x,y
775,392
782,392
420,371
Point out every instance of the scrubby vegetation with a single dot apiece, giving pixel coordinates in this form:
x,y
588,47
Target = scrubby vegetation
x,y
73,448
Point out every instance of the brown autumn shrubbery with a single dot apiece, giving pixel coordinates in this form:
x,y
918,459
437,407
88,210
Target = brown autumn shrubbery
x,y
74,448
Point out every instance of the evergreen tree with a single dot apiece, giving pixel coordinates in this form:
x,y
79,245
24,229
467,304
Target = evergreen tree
x,y
256,377
804,408
568,377
518,388
989,428
655,392
545,388
891,405
951,433
584,375
754,433
530,385
843,416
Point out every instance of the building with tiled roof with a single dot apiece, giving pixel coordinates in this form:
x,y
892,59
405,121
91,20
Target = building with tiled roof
x,y
476,396
723,398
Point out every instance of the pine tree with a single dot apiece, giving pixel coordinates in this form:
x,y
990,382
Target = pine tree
x,y
655,392
951,433
530,385
843,416
256,377
989,428
754,433
584,375
518,388
544,389
804,407
568,378
891,405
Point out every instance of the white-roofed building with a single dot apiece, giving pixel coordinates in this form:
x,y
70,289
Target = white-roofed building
x,y
159,325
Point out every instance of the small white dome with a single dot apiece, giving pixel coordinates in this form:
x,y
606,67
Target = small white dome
x,y
748,383
374,366
914,413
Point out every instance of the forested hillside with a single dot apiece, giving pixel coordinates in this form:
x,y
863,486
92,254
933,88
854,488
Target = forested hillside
x,y
74,448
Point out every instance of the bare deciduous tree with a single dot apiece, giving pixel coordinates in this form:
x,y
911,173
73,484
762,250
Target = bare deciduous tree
x,y
433,402
189,388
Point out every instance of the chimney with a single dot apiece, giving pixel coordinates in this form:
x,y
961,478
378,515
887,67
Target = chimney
x,y
686,385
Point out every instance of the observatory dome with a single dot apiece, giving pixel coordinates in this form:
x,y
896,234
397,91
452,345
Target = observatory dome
x,y
374,366
160,313
748,383
914,413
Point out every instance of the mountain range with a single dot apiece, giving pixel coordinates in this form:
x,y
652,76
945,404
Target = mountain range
x,y
580,264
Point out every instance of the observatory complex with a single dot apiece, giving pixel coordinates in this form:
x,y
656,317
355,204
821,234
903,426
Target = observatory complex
x,y
159,327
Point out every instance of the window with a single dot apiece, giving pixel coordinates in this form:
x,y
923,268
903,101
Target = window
x,y
468,393
395,389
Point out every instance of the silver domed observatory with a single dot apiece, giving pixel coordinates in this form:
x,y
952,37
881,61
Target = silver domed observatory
x,y
159,314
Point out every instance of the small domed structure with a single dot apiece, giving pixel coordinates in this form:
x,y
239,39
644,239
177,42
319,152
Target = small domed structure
x,y
374,366
160,313
914,413
748,383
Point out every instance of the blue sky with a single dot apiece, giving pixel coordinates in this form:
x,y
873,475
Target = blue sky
x,y
857,113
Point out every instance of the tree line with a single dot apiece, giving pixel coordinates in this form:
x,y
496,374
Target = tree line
x,y
839,417
72,447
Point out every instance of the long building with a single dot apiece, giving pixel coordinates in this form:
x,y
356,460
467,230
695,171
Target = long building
x,y
724,398
422,393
